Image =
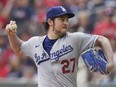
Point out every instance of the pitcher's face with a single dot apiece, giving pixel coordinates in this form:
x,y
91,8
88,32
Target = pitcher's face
x,y
60,25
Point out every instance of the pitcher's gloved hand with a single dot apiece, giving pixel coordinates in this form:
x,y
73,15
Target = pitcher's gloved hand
x,y
95,60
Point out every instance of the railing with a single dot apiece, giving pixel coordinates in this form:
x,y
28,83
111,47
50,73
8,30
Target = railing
x,y
17,83
24,83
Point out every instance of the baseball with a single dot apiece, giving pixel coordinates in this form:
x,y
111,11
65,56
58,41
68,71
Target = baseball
x,y
12,26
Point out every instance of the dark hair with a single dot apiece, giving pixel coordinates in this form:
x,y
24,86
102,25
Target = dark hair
x,y
46,25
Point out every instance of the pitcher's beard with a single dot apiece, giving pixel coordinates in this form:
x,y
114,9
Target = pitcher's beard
x,y
61,33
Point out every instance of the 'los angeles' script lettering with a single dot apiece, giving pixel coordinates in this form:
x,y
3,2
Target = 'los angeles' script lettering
x,y
53,55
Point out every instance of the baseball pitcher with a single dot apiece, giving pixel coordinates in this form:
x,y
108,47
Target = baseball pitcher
x,y
56,54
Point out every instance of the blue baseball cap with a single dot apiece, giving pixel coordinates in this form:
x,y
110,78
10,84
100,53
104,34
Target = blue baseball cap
x,y
58,11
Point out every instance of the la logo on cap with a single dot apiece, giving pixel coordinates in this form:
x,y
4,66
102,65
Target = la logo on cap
x,y
63,9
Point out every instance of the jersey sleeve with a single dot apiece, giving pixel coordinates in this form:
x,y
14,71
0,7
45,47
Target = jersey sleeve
x,y
84,41
87,41
26,47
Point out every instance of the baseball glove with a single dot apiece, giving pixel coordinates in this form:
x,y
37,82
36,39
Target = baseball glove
x,y
95,60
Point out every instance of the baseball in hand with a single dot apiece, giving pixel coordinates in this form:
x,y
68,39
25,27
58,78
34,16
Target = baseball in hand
x,y
12,26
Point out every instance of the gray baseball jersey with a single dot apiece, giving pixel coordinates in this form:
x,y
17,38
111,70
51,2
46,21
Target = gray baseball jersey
x,y
59,69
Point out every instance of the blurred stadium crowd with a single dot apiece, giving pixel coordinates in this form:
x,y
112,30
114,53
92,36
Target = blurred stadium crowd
x,y
92,16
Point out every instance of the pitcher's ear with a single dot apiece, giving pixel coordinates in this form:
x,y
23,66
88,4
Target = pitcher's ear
x,y
50,22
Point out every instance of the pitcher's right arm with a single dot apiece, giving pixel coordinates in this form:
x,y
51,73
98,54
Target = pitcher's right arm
x,y
15,41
